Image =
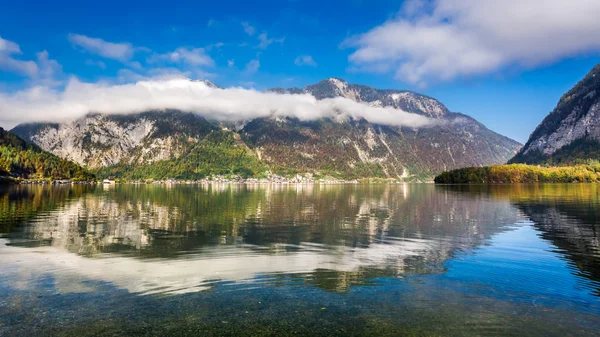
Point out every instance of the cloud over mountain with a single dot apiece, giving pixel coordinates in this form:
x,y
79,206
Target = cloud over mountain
x,y
79,98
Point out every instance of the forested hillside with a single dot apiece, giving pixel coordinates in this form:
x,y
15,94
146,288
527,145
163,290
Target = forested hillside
x,y
19,159
219,153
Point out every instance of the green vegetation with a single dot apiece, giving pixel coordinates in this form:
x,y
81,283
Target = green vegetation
x,y
219,153
21,160
521,173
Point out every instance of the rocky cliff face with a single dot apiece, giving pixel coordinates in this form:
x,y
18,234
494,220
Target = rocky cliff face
x,y
571,132
372,149
352,147
103,140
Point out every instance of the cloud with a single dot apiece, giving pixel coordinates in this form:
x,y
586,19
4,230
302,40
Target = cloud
x,y
233,104
135,65
116,51
440,40
215,46
167,73
305,60
252,66
44,71
9,47
93,63
190,56
265,41
248,29
48,70
248,84
230,63
8,63
128,76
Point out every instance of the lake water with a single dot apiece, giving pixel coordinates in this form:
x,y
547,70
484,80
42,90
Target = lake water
x,y
313,260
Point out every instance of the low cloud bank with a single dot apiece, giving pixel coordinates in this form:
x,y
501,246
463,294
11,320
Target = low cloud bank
x,y
43,104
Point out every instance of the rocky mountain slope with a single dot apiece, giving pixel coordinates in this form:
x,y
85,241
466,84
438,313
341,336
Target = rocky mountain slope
x,y
571,132
352,148
371,149
104,140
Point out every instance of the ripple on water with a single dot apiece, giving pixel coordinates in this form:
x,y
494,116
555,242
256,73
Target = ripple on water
x,y
500,260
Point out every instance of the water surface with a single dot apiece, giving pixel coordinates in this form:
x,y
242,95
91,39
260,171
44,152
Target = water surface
x,y
300,259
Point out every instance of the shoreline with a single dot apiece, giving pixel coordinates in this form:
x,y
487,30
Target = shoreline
x,y
250,181
272,179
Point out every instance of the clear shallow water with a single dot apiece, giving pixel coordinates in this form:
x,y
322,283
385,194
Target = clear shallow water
x,y
310,260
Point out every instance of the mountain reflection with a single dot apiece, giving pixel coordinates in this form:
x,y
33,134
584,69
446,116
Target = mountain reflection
x,y
174,239
569,217
566,215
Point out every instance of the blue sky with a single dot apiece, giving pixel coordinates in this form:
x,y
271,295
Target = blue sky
x,y
439,48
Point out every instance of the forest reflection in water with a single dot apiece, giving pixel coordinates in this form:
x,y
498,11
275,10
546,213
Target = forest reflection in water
x,y
172,240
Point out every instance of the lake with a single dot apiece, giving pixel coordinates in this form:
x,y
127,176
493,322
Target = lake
x,y
318,260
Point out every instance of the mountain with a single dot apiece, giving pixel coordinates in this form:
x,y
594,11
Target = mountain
x,y
98,140
350,148
398,99
19,159
366,149
571,132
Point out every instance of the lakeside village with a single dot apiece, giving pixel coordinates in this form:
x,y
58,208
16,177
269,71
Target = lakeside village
x,y
219,179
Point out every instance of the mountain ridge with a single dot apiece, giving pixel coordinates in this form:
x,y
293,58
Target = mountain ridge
x,y
336,87
355,147
571,132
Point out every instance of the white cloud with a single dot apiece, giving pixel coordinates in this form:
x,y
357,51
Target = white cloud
x,y
78,98
215,46
93,63
10,64
248,84
305,60
129,76
230,63
443,39
248,29
135,65
44,70
116,51
190,56
9,47
167,73
265,41
49,71
252,66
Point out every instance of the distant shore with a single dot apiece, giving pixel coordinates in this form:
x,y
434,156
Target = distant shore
x,y
521,173
215,180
